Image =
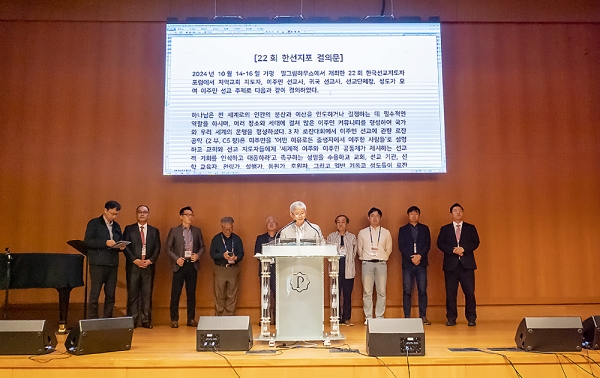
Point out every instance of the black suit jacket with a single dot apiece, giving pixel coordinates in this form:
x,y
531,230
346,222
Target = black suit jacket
x,y
134,250
469,240
260,240
176,245
406,244
96,235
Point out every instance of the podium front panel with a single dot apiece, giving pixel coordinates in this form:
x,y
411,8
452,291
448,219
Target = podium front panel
x,y
300,298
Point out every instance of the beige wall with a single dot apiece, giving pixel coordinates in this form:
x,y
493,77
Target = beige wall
x,y
81,122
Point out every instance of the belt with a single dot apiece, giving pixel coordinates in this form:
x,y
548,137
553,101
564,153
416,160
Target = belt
x,y
225,265
374,261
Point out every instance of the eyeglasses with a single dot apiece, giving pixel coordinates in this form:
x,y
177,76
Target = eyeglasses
x,y
143,212
227,229
188,214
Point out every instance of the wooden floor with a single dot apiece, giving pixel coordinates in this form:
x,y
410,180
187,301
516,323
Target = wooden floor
x,y
163,351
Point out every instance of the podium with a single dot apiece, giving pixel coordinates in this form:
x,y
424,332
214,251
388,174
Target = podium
x,y
300,291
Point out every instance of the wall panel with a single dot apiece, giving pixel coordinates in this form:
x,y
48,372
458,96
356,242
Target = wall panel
x,y
81,115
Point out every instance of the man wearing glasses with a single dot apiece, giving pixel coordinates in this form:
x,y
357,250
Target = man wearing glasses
x,y
184,246
227,250
141,256
101,237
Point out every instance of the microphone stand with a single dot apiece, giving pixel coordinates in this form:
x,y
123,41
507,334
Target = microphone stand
x,y
8,258
318,232
283,228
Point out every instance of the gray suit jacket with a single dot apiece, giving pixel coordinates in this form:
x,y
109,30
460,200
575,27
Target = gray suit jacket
x,y
176,245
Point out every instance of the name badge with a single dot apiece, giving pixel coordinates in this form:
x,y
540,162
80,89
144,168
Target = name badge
x,y
343,250
144,251
374,251
188,254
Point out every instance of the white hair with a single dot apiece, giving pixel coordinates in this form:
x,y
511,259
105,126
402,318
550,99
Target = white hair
x,y
297,204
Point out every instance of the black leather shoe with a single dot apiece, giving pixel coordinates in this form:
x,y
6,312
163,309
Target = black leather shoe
x,y
174,324
451,323
425,321
192,323
147,325
471,323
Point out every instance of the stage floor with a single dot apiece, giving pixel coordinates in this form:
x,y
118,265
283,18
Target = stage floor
x,y
164,351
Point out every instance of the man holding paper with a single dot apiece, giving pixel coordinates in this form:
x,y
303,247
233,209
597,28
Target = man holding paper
x,y
184,246
102,237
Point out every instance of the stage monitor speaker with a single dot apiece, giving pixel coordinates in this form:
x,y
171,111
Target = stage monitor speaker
x,y
232,333
591,332
550,334
395,337
100,335
26,337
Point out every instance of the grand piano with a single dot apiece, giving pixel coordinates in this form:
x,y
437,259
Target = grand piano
x,y
59,271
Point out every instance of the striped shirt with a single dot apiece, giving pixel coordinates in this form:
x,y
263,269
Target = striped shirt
x,y
350,244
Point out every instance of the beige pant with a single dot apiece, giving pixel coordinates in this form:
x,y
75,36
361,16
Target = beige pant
x,y
226,289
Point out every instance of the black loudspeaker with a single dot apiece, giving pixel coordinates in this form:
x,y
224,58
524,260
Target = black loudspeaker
x,y
224,333
551,334
591,332
395,337
100,335
26,337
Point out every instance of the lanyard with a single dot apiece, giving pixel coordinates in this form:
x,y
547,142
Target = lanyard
x,y
378,238
225,245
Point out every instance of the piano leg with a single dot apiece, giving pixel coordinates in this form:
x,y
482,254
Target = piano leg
x,y
64,294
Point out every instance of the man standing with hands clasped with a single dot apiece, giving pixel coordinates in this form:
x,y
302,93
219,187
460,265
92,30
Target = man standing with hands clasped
x,y
414,241
458,240
184,246
227,250
141,255
374,249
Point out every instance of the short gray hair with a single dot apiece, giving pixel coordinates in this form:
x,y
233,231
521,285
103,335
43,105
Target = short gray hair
x,y
227,220
297,204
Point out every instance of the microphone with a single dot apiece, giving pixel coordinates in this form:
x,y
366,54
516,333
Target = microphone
x,y
311,226
283,228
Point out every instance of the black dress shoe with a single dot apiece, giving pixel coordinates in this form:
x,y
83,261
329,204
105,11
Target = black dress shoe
x,y
147,325
471,323
425,321
174,324
451,323
192,323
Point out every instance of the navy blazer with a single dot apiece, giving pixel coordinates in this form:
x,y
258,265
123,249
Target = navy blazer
x,y
134,250
96,235
406,244
176,245
469,240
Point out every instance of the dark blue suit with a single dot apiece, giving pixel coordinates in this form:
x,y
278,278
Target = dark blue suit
x,y
410,271
104,264
140,280
459,269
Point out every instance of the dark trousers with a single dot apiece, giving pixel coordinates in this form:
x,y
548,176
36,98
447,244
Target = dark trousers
x,y
139,293
186,274
346,286
102,275
409,275
466,278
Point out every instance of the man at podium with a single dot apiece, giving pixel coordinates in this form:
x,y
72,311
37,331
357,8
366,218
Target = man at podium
x,y
301,229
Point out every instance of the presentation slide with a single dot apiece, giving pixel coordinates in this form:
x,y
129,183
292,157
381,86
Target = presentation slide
x,y
329,98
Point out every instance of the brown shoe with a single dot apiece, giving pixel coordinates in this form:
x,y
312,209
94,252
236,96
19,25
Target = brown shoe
x,y
192,323
174,324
